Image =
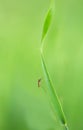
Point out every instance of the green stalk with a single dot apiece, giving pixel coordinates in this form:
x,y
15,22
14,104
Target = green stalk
x,y
58,111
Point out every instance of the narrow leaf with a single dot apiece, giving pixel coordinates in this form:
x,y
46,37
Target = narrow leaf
x,y
52,94
46,24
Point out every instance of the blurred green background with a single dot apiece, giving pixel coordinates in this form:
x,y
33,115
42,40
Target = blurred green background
x,y
24,106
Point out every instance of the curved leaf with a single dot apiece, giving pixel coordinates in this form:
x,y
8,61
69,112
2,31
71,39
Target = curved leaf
x,y
46,24
52,94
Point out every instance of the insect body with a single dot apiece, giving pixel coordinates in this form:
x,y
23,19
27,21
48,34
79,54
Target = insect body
x,y
39,82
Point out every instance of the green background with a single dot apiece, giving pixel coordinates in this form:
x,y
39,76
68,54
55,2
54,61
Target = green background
x,y
24,106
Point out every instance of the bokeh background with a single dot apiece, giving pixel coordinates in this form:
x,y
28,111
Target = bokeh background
x,y
24,106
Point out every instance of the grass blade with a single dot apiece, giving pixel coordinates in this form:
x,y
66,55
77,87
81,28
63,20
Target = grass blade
x,y
58,111
46,24
52,94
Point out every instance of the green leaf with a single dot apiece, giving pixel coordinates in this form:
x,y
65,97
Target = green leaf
x,y
54,100
53,96
46,24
